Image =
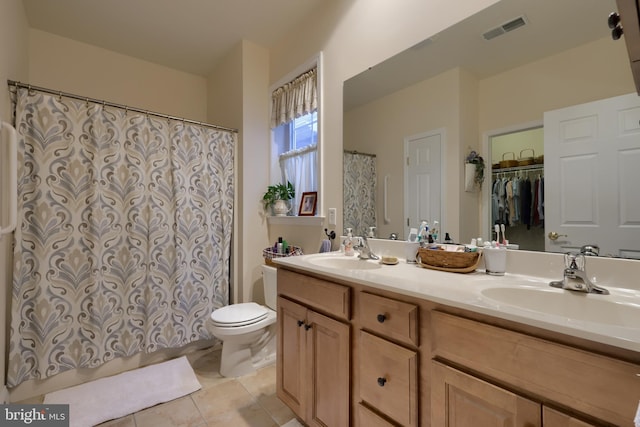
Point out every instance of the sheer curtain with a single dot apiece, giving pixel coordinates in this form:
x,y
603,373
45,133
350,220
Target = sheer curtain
x,y
299,167
125,233
290,101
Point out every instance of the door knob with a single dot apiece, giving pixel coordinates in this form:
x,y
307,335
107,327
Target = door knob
x,y
554,236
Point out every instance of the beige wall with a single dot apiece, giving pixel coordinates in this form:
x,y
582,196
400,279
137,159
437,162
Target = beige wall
x,y
586,73
13,66
63,64
255,170
354,35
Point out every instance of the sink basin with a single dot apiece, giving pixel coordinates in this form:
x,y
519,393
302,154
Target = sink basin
x,y
607,309
344,263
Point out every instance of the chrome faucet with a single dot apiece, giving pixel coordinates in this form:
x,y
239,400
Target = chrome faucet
x,y
364,249
575,276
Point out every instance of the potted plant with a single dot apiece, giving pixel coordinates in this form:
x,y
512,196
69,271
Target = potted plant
x,y
278,196
474,171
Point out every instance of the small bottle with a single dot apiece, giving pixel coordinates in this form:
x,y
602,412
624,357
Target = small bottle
x,y
348,243
423,233
447,238
435,231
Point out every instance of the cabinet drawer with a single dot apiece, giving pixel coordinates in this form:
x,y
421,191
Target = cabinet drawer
x,y
589,383
385,316
321,295
367,418
389,378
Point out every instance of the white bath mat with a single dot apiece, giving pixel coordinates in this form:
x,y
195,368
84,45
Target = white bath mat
x,y
293,423
113,397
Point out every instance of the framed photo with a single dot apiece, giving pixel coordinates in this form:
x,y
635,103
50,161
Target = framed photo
x,y
308,204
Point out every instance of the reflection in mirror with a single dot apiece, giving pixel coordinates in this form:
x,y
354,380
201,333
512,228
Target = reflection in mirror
x,y
517,196
472,88
359,192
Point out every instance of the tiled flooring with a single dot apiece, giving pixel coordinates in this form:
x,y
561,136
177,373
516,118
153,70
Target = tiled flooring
x,y
245,401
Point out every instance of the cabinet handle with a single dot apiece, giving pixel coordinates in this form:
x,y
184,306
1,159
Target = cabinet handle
x,y
381,381
300,323
307,327
381,318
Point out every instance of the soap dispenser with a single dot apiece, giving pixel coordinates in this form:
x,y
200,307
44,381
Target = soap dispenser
x,y
348,243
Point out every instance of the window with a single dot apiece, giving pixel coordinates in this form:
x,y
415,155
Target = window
x,y
299,133
294,124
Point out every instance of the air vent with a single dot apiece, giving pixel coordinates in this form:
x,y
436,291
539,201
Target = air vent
x,y
518,22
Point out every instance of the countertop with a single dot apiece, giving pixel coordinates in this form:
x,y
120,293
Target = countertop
x,y
608,319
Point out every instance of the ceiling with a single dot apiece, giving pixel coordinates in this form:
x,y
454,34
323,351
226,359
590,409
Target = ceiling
x,y
552,27
188,35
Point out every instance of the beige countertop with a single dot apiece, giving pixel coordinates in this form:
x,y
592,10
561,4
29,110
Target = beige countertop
x,y
610,319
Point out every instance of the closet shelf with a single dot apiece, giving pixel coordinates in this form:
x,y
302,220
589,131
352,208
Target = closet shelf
x,y
519,168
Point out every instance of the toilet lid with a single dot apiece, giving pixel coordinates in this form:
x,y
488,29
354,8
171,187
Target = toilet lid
x,y
239,314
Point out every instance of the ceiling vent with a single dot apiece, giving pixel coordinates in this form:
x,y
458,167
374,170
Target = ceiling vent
x,y
518,22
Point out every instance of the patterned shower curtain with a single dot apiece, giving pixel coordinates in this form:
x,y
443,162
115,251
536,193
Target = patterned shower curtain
x,y
359,192
124,244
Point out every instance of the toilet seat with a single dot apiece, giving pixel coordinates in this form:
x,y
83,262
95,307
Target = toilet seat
x,y
237,315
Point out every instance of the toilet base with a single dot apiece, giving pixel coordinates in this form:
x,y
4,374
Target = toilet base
x,y
242,357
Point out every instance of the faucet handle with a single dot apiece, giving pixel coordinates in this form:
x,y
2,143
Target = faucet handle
x,y
574,261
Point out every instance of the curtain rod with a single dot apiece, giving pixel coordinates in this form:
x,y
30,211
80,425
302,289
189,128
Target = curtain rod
x,y
357,152
111,104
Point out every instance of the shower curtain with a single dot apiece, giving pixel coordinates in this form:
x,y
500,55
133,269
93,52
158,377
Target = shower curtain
x,y
125,234
359,192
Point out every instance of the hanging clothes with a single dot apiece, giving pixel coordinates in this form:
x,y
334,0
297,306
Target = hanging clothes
x,y
517,200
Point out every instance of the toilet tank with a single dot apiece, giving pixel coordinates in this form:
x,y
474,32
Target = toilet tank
x,y
269,281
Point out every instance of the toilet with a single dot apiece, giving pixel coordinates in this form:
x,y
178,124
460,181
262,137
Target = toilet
x,y
247,331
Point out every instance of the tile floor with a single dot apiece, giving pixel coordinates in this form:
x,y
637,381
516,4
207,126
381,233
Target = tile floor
x,y
230,402
245,401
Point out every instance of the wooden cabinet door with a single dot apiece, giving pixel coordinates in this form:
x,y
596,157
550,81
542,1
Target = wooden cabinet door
x,y
461,400
553,418
389,378
328,372
290,360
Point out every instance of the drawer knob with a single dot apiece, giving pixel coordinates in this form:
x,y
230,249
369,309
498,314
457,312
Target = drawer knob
x,y
300,323
381,318
382,381
307,327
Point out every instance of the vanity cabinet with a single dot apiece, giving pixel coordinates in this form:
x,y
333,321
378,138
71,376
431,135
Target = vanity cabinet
x,y
388,360
351,354
481,368
313,354
460,399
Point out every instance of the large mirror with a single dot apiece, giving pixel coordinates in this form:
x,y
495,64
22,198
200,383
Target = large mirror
x,y
492,74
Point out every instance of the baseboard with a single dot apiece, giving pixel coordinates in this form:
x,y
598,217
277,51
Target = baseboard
x,y
4,395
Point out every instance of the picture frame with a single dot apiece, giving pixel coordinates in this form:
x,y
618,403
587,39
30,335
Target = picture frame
x,y
308,203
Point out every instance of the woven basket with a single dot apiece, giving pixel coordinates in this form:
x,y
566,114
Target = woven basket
x,y
269,254
440,259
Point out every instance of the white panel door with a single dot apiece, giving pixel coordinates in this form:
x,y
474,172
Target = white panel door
x,y
423,179
592,176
